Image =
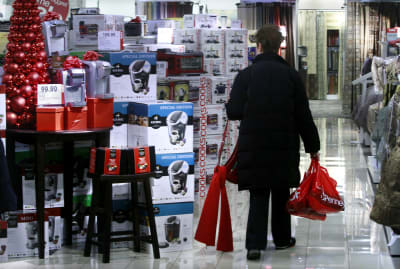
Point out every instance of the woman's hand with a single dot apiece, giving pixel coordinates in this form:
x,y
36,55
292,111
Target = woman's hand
x,y
314,155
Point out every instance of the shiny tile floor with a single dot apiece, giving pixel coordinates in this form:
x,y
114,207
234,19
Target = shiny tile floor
x,y
345,240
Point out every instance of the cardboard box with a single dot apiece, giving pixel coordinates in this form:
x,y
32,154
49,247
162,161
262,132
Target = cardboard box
x,y
153,25
239,52
53,184
195,86
56,228
215,67
3,242
206,21
213,51
236,36
218,88
209,36
174,181
166,125
174,224
133,75
216,119
85,28
23,234
121,191
119,132
188,37
172,47
233,66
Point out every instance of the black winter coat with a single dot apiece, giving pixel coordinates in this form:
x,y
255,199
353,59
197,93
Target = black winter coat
x,y
8,199
270,100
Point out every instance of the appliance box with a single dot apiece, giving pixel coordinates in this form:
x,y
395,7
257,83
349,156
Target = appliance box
x,y
23,234
195,83
54,187
216,119
188,37
49,118
119,132
209,36
56,228
174,181
133,75
236,36
174,224
215,67
218,89
86,28
172,47
166,125
237,52
233,66
100,113
213,51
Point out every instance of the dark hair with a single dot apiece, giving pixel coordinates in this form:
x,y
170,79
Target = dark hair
x,y
270,38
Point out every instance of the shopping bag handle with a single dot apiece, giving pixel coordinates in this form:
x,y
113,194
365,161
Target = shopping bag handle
x,y
223,142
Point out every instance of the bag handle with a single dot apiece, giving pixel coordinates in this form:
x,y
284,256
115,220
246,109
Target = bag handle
x,y
223,142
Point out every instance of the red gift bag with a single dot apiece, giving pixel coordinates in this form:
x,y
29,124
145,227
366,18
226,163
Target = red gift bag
x,y
324,197
298,203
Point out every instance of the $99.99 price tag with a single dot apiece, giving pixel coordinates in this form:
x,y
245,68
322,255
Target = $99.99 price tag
x,y
50,94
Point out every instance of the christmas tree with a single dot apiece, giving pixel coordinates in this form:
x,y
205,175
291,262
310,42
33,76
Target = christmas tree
x,y
25,64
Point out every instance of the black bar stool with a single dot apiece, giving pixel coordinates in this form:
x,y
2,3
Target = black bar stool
x,y
102,208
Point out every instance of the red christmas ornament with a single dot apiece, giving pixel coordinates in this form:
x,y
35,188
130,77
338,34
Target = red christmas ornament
x,y
8,101
34,77
26,68
11,118
12,68
30,36
26,46
38,67
18,103
11,46
31,101
35,28
35,12
7,79
41,56
28,5
26,91
19,57
19,79
36,19
27,118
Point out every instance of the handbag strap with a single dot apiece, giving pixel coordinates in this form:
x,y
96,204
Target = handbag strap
x,y
223,142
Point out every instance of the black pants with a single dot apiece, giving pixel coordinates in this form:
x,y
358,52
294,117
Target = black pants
x,y
257,224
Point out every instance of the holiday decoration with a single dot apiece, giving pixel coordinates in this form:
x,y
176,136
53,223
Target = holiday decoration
x,y
25,64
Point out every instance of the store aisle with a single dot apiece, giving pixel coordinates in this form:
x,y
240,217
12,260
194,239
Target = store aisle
x,y
346,240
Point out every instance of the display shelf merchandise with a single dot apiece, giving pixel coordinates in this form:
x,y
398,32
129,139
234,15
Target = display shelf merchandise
x,y
174,181
133,76
56,229
3,241
119,132
174,223
216,119
166,125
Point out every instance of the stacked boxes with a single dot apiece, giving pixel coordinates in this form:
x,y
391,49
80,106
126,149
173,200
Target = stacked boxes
x,y
174,224
56,229
119,132
236,47
188,37
166,125
53,185
23,234
133,76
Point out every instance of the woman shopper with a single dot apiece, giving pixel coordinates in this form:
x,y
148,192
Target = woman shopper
x,y
269,99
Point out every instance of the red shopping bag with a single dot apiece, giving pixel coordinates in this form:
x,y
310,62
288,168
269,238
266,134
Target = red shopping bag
x,y
298,203
206,229
324,197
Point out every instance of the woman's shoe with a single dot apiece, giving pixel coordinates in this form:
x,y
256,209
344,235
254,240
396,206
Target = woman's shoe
x,y
253,254
292,243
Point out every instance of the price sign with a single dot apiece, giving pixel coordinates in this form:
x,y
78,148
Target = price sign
x,y
50,94
109,40
236,24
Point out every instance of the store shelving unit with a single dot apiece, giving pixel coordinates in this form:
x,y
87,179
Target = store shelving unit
x,y
156,10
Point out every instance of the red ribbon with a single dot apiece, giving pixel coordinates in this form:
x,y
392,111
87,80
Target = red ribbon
x,y
50,16
137,19
91,56
72,62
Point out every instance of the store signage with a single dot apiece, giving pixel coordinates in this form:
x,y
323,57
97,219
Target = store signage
x,y
109,40
50,94
203,138
59,6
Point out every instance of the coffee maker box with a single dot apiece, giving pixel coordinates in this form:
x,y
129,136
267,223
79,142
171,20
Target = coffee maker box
x,y
23,232
234,65
174,223
218,88
196,89
56,228
174,180
188,37
3,242
238,52
53,185
119,132
213,51
133,75
216,119
166,125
